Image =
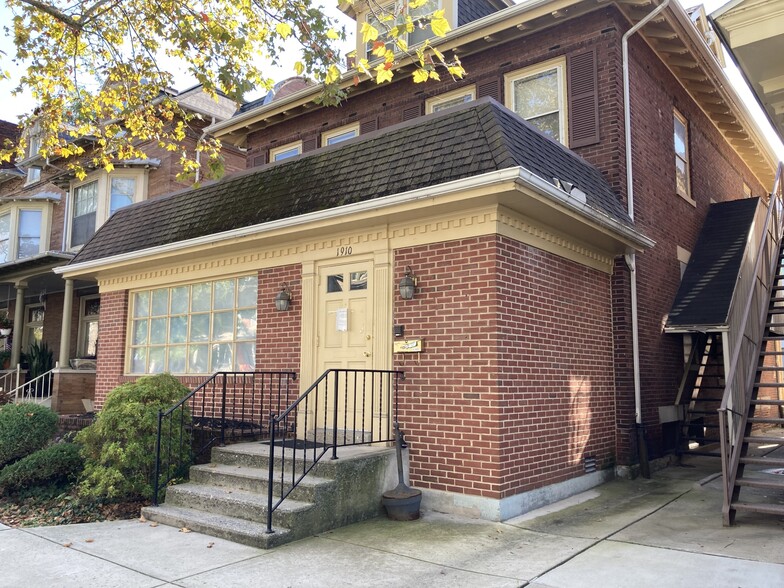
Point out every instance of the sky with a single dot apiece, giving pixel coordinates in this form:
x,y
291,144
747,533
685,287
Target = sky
x,y
14,106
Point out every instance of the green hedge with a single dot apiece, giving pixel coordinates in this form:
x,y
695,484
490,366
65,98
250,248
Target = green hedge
x,y
57,464
24,429
119,447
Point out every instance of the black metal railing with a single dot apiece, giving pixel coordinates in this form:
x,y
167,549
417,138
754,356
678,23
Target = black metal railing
x,y
343,407
229,406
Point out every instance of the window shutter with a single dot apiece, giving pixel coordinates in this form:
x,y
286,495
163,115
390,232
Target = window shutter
x,y
489,88
583,94
368,126
412,112
259,160
310,144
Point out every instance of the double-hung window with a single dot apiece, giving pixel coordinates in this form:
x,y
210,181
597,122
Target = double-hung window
x,y
198,328
85,205
22,232
681,144
538,94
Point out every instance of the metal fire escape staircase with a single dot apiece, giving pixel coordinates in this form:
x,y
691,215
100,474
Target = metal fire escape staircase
x,y
731,302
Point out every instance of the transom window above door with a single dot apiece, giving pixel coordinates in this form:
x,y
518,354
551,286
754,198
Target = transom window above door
x,y
345,282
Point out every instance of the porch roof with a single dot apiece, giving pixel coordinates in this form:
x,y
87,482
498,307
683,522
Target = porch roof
x,y
454,144
705,294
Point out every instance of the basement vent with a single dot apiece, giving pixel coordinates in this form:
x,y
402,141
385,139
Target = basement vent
x,y
589,463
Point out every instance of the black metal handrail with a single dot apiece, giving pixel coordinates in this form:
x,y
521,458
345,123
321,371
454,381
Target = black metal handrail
x,y
228,406
343,407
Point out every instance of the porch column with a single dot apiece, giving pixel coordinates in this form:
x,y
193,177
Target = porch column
x,y
65,329
16,346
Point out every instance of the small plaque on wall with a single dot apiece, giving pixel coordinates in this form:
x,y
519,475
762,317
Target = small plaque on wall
x,y
408,346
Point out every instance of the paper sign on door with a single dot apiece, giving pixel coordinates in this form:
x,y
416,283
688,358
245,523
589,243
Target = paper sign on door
x,y
341,320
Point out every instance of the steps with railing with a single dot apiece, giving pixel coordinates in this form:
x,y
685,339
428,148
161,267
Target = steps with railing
x,y
268,493
38,390
753,339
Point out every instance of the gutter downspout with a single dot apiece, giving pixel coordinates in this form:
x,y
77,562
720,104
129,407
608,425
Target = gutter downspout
x,y
198,153
631,257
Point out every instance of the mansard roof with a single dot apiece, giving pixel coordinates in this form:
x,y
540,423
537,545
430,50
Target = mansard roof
x,y
455,144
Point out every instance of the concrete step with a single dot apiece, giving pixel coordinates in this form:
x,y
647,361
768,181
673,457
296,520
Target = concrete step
x,y
256,480
225,527
249,506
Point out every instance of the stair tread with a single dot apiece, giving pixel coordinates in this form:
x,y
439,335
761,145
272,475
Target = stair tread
x,y
765,461
767,402
238,496
768,385
260,474
774,509
770,420
765,440
704,453
759,483
213,524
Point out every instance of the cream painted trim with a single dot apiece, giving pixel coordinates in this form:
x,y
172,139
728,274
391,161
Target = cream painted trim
x,y
274,152
83,320
440,99
515,178
559,65
327,135
307,366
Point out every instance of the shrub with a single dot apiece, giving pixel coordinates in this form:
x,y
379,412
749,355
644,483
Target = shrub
x,y
24,428
54,465
119,447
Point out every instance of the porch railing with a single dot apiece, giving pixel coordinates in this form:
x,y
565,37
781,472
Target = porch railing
x,y
343,407
9,381
37,390
229,406
748,313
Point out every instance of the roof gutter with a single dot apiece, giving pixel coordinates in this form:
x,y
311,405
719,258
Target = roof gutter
x,y
518,175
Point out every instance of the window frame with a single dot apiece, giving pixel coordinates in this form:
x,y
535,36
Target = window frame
x,y
449,8
84,321
28,324
559,65
208,343
678,117
440,99
331,134
14,210
275,151
103,198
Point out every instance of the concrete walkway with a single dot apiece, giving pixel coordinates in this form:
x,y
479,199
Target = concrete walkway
x,y
665,531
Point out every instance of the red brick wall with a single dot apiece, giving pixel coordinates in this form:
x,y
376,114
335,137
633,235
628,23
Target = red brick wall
x,y
112,325
515,383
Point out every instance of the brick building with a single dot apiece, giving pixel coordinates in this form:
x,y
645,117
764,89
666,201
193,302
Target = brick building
x,y
46,216
546,241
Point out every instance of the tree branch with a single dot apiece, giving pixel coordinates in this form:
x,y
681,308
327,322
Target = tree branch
x,y
55,13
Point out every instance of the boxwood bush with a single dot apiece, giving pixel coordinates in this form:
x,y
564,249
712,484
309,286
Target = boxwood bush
x,y
57,464
24,428
119,447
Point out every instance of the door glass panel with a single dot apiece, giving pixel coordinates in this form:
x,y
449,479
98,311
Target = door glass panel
x,y
335,283
359,281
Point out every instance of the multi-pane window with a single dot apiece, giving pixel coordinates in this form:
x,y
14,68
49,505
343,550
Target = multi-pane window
x,y
195,329
5,237
84,207
34,324
121,193
538,95
681,141
29,237
88,326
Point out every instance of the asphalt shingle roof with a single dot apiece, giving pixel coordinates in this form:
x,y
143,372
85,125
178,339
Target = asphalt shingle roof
x,y
705,293
454,144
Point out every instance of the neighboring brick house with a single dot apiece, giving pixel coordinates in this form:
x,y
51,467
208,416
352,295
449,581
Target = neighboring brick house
x,y
47,214
520,236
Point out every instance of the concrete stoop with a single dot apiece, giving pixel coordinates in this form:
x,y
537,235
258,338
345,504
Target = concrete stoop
x,y
227,498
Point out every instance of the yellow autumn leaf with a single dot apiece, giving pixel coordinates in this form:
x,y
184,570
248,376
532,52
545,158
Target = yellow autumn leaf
x,y
299,67
420,76
456,70
363,65
417,3
332,34
439,25
333,74
401,44
434,75
383,74
369,33
283,29
379,49
109,167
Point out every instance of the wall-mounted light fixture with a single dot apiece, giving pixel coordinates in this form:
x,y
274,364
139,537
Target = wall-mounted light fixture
x,y
407,284
283,298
